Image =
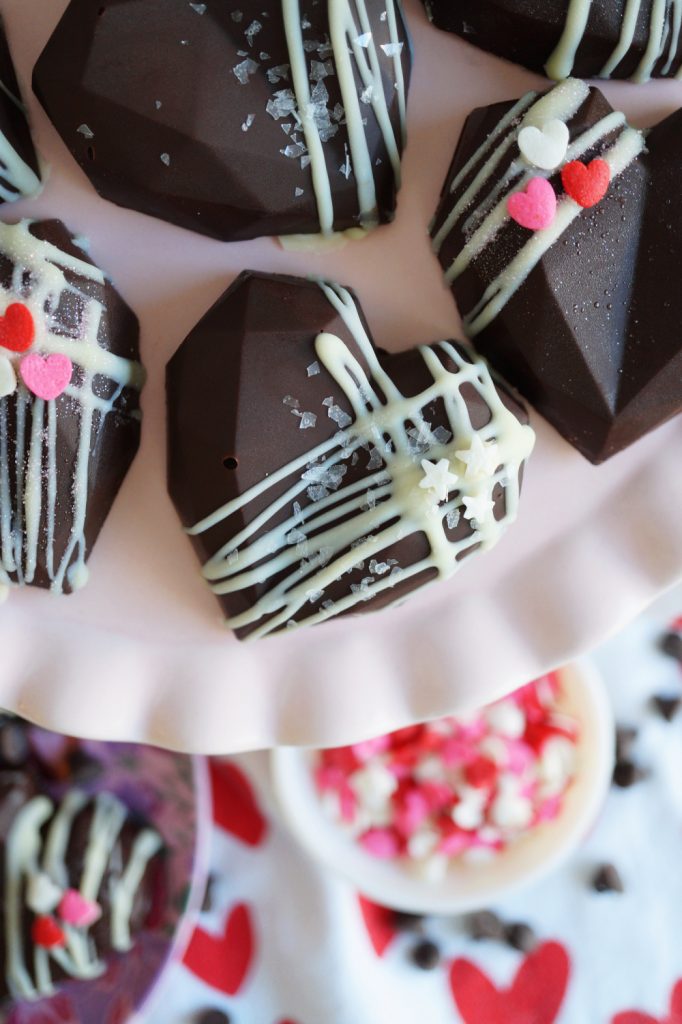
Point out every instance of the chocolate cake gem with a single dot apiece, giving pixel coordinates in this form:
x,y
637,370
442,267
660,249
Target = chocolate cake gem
x,y
311,496
636,39
289,119
70,422
559,261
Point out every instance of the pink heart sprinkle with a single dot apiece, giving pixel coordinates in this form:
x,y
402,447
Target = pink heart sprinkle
x,y
535,208
46,376
76,910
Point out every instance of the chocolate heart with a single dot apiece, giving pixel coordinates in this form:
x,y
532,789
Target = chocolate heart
x,y
240,120
69,436
571,37
318,476
581,317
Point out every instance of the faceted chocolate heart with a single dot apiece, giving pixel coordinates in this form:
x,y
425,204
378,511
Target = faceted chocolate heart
x,y
19,170
319,476
235,120
71,426
559,38
582,317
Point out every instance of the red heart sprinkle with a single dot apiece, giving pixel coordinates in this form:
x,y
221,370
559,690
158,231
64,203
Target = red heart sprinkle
x,y
46,932
380,924
17,329
235,807
586,184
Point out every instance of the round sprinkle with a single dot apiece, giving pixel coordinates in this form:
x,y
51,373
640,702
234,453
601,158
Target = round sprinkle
x,y
425,955
521,936
607,879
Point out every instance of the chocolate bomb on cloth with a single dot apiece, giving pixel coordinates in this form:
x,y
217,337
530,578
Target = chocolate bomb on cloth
x,y
319,476
563,272
80,876
586,38
70,382
235,119
19,168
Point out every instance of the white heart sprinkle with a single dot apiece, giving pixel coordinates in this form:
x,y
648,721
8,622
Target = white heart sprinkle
x,y
8,378
42,895
544,147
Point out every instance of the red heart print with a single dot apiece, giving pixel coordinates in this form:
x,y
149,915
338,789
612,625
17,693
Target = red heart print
x,y
379,922
534,997
586,184
17,329
223,961
674,1017
234,805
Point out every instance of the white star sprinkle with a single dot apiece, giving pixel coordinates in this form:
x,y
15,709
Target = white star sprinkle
x,y
438,478
481,458
478,507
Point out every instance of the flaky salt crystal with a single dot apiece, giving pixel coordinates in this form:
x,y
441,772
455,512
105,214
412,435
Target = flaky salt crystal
x,y
278,73
452,518
308,419
364,40
252,31
366,94
85,131
392,49
165,159
292,402
237,16
199,8
246,124
336,413
242,71
313,369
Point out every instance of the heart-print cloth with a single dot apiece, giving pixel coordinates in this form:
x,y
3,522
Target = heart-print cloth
x,y
285,943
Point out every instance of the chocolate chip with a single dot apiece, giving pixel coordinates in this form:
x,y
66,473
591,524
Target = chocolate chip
x,y
521,936
14,745
607,879
405,922
83,767
425,955
486,925
212,1017
625,741
666,707
627,773
671,644
209,894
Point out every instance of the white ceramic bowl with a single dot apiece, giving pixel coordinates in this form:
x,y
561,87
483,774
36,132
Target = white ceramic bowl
x,y
466,886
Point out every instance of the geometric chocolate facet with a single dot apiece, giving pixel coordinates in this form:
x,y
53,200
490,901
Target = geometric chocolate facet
x,y
234,119
318,476
582,316
560,38
70,381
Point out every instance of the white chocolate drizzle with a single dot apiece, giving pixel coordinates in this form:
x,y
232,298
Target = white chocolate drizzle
x,y
38,841
349,22
488,212
359,520
665,20
29,460
17,179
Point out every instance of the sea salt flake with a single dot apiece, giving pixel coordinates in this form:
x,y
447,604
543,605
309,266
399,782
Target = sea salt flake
x,y
295,537
379,568
85,131
327,605
298,191
292,402
452,518
367,94
442,435
364,40
345,167
278,73
237,16
199,8
263,55
392,49
384,15
248,121
308,419
316,492
314,595
305,160
233,558
337,414
321,69
158,104
165,159
375,459
314,368
339,113
293,151
242,71
252,31
282,104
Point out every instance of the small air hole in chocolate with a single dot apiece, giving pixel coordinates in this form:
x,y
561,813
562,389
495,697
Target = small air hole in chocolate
x,y
91,152
229,462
